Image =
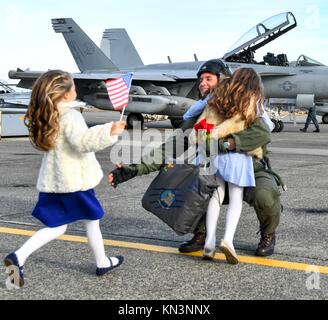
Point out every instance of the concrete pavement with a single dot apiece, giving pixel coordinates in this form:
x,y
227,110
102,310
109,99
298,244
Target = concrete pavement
x,y
64,269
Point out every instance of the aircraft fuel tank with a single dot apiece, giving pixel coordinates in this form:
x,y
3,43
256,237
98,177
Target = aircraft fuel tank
x,y
149,104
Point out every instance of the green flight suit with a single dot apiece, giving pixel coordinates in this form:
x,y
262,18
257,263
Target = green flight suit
x,y
265,197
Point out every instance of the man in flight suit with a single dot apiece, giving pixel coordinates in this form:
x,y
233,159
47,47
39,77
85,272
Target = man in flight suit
x,y
265,197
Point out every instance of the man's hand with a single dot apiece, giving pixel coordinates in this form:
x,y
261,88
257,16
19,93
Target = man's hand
x,y
121,174
232,144
222,148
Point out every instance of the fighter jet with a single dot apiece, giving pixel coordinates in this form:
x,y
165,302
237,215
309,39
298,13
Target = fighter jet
x,y
170,88
11,100
116,42
160,91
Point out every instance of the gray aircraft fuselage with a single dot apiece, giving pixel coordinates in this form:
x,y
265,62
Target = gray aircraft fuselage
x,y
279,82
171,88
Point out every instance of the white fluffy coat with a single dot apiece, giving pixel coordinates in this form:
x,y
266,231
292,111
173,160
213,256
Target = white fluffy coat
x,y
72,165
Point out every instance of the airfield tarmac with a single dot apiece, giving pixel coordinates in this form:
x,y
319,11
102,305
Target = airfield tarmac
x,y
153,267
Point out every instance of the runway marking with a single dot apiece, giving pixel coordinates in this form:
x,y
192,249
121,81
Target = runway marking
x,y
161,249
312,152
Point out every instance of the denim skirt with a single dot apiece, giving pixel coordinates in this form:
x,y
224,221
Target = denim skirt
x,y
56,209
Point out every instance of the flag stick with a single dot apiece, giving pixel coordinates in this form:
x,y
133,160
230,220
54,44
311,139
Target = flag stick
x,y
129,86
122,114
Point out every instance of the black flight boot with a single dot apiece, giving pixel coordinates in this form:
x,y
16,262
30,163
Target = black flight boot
x,y
266,244
316,130
303,130
195,244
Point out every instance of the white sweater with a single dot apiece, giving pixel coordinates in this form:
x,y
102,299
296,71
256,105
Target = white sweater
x,y
72,166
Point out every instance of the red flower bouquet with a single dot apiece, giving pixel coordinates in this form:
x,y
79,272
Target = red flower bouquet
x,y
204,127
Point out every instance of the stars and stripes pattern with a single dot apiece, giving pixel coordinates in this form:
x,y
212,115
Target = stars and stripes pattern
x,y
118,91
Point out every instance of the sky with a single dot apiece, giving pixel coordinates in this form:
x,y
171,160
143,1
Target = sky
x,y
157,28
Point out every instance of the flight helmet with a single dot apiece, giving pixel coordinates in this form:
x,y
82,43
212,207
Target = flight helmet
x,y
215,66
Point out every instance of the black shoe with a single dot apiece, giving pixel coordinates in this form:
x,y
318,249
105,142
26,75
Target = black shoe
x,y
266,245
316,130
303,130
195,244
102,271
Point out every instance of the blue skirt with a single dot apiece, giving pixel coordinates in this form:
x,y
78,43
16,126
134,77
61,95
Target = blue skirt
x,y
233,167
236,168
56,209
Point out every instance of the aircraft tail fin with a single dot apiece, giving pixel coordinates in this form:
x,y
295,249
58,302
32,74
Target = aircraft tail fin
x,y
86,54
117,45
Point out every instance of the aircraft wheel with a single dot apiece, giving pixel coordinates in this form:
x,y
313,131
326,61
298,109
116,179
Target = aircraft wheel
x,y
281,126
325,118
135,120
176,122
276,125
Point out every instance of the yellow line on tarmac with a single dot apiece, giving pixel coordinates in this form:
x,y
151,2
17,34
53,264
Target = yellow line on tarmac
x,y
218,256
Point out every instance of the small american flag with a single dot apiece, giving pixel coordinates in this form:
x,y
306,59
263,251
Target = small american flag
x,y
118,91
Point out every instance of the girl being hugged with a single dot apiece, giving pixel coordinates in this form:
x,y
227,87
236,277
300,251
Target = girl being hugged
x,y
233,107
69,170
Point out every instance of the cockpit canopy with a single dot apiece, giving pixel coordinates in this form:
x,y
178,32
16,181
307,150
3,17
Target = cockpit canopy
x,y
305,61
243,50
5,88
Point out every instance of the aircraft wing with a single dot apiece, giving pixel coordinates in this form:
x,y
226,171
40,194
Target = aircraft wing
x,y
142,76
17,102
16,99
28,77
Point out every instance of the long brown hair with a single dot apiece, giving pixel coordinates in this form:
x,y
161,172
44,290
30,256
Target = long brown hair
x,y
238,94
42,116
